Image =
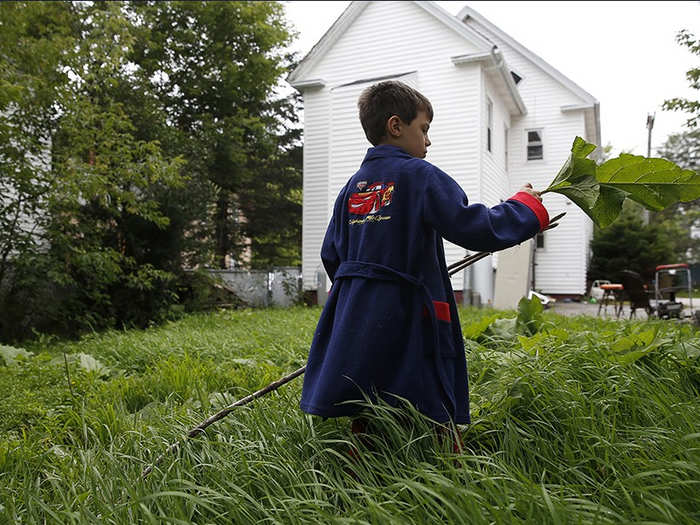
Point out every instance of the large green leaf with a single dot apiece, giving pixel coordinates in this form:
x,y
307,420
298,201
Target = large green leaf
x,y
600,190
576,179
529,319
653,183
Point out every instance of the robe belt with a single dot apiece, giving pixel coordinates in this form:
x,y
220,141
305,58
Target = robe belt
x,y
368,270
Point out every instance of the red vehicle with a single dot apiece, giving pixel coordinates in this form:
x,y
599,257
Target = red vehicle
x,y
375,197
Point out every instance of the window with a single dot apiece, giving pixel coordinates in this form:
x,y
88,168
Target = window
x,y
540,240
535,149
489,122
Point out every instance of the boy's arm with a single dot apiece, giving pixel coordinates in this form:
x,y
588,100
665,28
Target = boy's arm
x,y
477,227
329,253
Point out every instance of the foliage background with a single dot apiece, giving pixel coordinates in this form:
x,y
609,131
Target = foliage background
x,y
139,139
667,238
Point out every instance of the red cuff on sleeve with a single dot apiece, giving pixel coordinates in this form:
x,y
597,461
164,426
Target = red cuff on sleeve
x,y
535,205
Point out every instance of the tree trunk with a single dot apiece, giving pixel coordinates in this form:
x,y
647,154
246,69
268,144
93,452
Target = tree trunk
x,y
222,228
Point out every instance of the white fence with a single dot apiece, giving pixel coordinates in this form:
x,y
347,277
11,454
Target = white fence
x,y
276,287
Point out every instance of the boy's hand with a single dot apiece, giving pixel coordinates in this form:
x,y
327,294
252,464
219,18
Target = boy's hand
x,y
528,189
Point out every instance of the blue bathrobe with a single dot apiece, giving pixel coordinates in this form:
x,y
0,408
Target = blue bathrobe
x,y
390,326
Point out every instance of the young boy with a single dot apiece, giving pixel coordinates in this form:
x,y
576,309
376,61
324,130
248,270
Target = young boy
x,y
390,325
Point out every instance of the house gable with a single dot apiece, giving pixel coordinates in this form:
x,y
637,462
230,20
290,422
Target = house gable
x,y
524,59
302,74
388,38
471,18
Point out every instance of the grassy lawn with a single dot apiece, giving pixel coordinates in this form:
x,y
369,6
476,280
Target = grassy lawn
x,y
586,421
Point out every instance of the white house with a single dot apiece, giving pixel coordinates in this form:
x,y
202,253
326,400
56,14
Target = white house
x,y
503,117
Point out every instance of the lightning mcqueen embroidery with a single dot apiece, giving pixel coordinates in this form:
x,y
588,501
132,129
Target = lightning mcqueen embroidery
x,y
375,197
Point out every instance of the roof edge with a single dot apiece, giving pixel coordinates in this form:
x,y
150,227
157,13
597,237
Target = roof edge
x,y
500,62
351,12
495,58
454,23
468,12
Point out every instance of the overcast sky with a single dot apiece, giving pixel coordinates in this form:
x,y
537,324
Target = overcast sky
x,y
623,53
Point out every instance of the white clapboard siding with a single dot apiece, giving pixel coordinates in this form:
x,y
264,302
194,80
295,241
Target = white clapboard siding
x,y
495,185
348,144
415,42
370,48
561,265
315,185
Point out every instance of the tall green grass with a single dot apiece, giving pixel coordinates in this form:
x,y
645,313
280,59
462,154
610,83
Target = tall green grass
x,y
587,421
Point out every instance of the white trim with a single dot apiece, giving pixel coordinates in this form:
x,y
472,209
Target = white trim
x,y
468,12
470,58
309,84
508,79
576,107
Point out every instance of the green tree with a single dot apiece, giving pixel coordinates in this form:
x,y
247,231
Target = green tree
x,y
629,244
687,39
110,176
160,142
97,177
684,149
214,67
29,76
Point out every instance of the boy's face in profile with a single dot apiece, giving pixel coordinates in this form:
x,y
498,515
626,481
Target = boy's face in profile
x,y
413,137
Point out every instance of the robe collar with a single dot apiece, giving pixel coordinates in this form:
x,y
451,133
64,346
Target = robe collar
x,y
385,151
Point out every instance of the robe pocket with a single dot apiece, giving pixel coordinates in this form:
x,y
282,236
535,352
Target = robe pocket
x,y
445,335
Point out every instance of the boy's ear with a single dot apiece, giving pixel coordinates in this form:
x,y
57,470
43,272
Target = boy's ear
x,y
393,126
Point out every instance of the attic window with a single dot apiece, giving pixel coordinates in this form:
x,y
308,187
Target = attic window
x,y
516,78
535,149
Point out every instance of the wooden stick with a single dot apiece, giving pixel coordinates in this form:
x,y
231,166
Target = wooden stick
x,y
199,429
471,259
467,261
462,261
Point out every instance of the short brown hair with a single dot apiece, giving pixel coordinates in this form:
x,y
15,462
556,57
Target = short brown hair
x,y
379,102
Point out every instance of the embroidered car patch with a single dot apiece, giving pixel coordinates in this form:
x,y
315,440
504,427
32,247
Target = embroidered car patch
x,y
375,197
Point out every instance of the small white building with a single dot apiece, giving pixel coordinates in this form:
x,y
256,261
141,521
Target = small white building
x,y
503,117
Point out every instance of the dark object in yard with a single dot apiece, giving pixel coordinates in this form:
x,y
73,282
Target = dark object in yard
x,y
635,293
668,281
670,308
